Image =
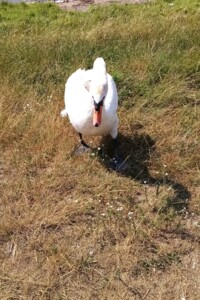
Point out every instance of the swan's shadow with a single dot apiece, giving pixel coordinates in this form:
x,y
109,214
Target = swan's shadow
x,y
136,152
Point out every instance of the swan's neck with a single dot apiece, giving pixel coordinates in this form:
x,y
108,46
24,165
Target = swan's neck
x,y
99,86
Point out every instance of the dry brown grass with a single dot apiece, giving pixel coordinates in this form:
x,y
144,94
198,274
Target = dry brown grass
x,y
109,236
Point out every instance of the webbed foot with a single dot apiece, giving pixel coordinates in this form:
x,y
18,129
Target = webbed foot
x,y
117,163
81,149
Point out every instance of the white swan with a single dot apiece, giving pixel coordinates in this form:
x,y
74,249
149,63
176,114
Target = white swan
x,y
91,102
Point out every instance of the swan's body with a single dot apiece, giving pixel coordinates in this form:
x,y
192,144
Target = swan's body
x,y
87,89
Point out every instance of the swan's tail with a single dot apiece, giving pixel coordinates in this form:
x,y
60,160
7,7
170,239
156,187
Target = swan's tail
x,y
63,113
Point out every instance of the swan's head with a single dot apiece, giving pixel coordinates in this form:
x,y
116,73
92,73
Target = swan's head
x,y
98,89
99,63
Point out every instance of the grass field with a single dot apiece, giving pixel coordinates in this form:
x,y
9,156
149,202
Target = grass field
x,y
70,228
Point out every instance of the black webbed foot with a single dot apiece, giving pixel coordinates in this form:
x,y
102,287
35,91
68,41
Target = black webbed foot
x,y
117,163
82,148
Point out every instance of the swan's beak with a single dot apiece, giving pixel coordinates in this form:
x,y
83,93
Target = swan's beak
x,y
97,116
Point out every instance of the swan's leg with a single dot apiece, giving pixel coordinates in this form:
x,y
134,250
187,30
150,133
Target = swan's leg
x,y
82,141
116,147
114,135
117,163
82,148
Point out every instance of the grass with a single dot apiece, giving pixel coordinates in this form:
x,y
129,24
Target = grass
x,y
70,228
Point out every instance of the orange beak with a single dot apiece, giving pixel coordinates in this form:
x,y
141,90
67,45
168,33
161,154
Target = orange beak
x,y
97,117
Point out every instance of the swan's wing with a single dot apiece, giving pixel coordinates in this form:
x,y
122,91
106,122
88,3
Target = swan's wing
x,y
87,78
77,90
81,79
111,100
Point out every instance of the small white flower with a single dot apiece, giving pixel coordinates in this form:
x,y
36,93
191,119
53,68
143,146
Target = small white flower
x,y
103,215
120,208
130,213
165,166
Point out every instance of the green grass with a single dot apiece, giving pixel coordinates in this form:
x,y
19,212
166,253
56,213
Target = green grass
x,y
70,228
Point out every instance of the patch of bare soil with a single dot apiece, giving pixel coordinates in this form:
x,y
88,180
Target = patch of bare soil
x,y
84,4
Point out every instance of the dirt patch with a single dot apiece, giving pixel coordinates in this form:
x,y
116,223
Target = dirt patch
x,y
84,4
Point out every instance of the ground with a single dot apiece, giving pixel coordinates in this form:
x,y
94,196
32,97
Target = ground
x,y
84,4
